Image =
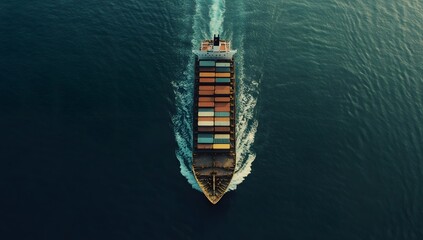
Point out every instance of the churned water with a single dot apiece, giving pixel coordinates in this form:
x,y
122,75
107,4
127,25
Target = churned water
x,y
95,119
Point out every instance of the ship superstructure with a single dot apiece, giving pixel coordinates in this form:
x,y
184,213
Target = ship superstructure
x,y
214,155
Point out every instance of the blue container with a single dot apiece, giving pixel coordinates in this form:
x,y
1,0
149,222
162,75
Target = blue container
x,y
223,69
222,114
205,140
223,80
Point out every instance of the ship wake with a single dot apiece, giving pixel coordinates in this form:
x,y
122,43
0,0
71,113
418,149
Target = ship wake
x,y
246,95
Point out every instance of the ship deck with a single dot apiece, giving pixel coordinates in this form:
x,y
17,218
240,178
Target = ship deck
x,y
214,155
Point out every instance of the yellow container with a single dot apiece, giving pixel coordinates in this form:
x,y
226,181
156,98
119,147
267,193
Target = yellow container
x,y
221,146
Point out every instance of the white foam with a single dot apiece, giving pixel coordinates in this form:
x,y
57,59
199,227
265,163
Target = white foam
x,y
216,14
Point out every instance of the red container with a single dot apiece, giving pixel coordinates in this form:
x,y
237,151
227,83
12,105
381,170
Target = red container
x,y
206,93
207,80
204,146
206,88
222,99
206,99
222,107
206,104
222,129
206,129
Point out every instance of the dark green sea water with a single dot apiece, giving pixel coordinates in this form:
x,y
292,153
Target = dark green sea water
x,y
95,119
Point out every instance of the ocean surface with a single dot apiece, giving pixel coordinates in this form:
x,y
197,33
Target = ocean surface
x,y
95,119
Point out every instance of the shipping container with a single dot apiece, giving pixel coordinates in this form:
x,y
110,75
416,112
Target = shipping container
x,y
222,107
224,75
222,99
222,136
221,114
223,64
223,69
206,104
206,129
206,88
221,123
204,146
223,119
222,129
206,114
206,119
206,93
205,109
221,140
207,63
223,80
207,69
206,99
210,74
221,146
222,90
205,138
207,80
205,123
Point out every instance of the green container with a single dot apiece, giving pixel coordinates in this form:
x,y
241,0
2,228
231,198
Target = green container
x,y
205,140
205,135
223,64
223,69
223,80
217,140
207,63
222,114
205,109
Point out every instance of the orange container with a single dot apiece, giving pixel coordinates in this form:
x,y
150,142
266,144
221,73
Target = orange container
x,y
207,80
206,129
222,107
202,119
206,93
223,75
206,99
206,88
222,99
226,88
206,104
222,129
222,119
222,90
207,74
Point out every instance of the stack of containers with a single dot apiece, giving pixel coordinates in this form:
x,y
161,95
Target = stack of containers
x,y
214,105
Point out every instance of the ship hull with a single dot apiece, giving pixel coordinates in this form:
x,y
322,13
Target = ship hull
x,y
214,148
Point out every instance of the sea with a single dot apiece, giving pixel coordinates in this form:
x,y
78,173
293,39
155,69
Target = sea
x,y
96,111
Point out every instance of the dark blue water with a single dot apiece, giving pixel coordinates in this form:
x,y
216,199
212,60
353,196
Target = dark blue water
x,y
95,120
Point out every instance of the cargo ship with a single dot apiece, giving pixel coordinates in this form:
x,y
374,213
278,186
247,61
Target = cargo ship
x,y
214,150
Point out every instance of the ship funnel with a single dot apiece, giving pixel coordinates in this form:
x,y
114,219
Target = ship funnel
x,y
216,40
